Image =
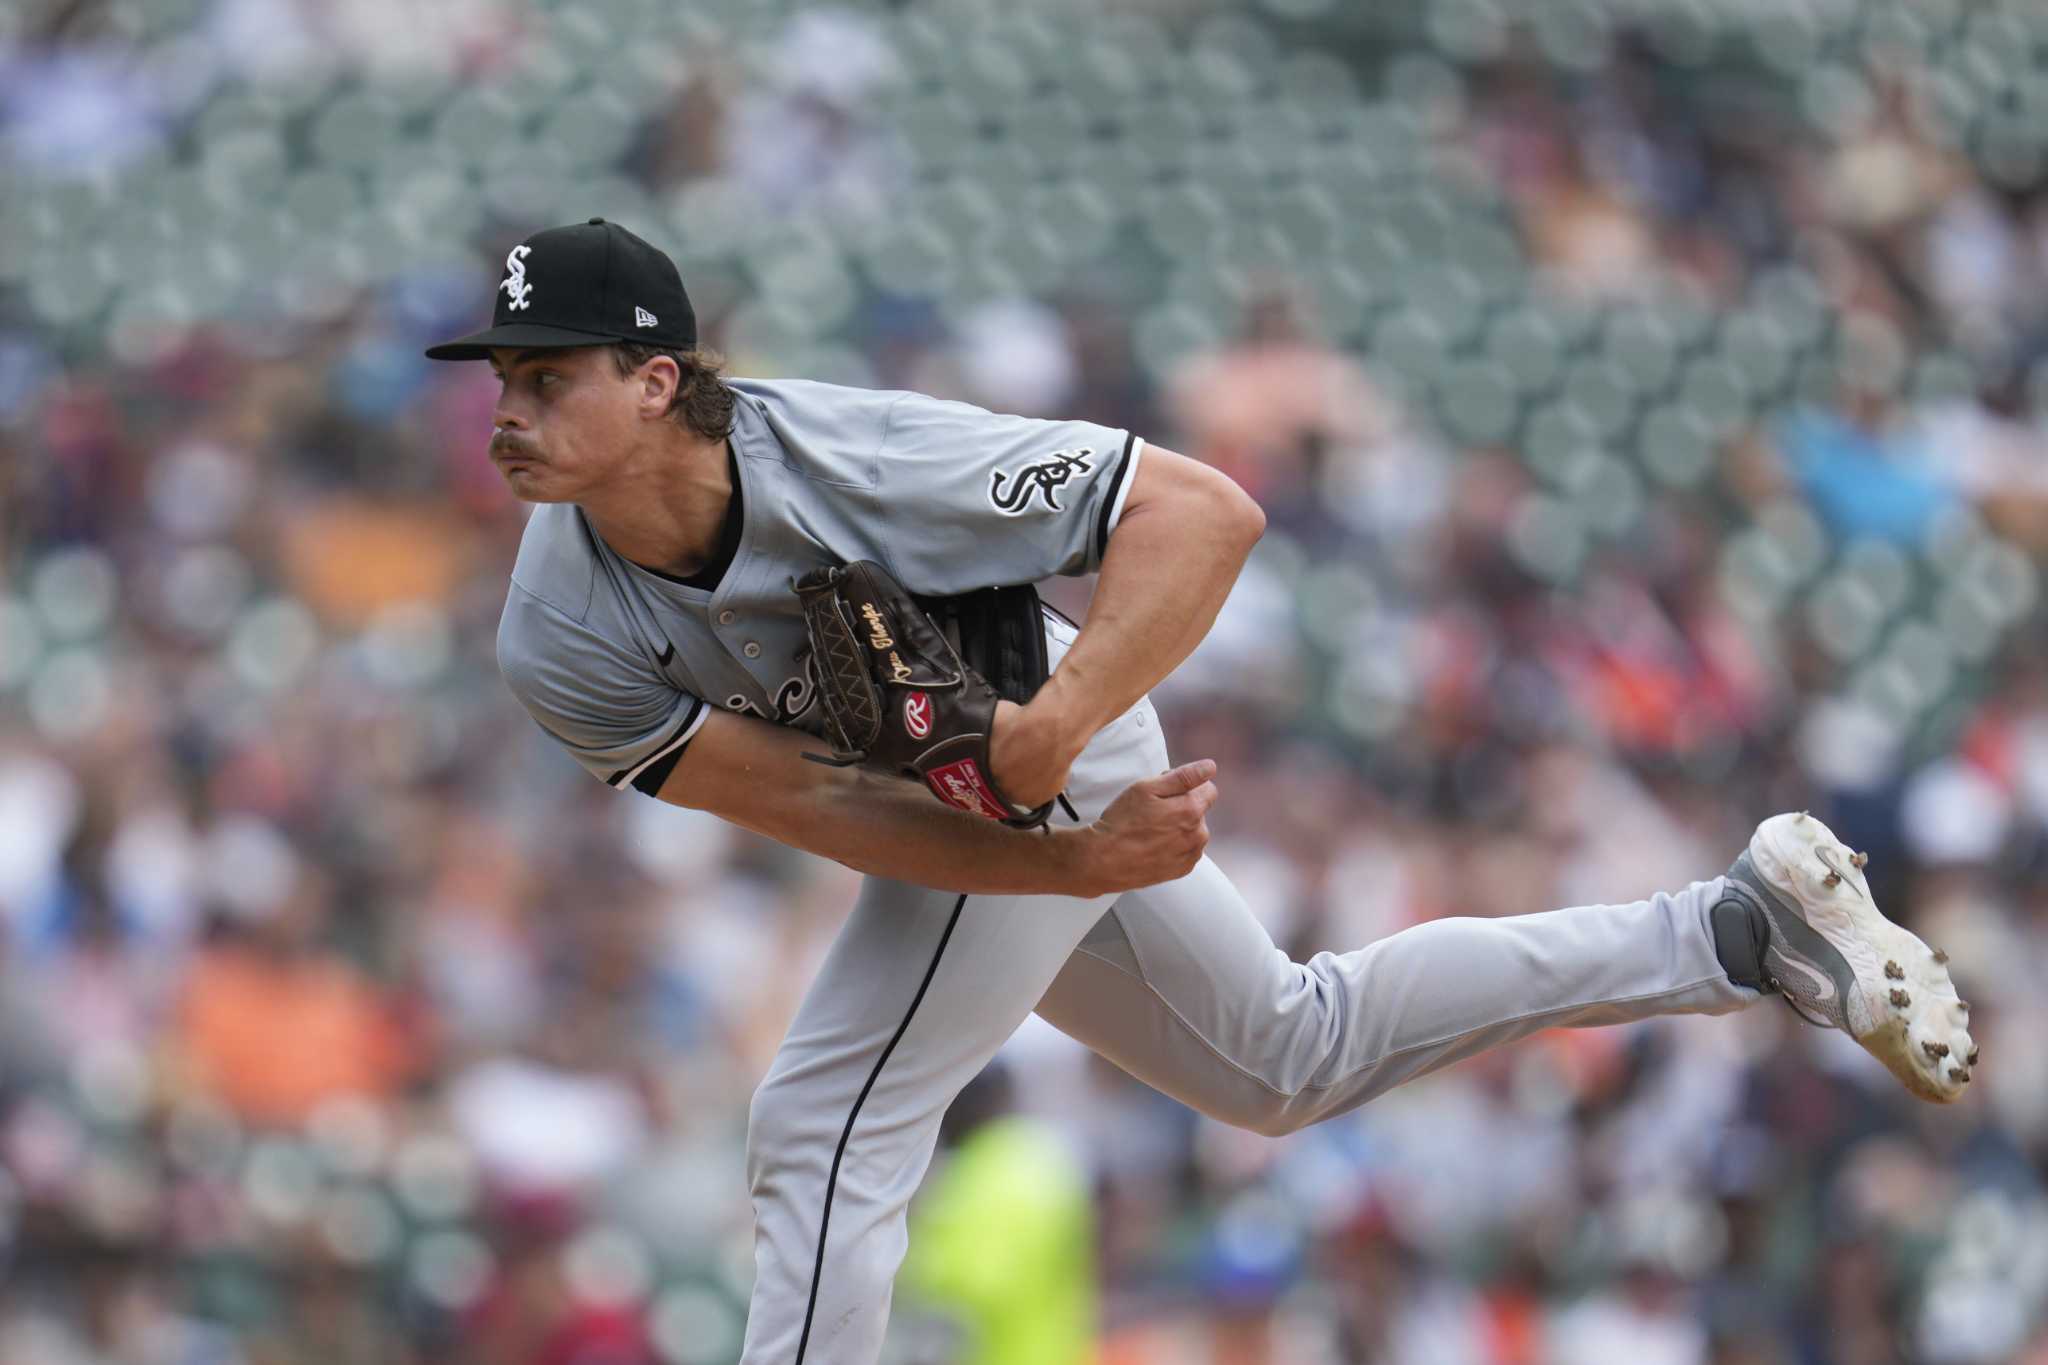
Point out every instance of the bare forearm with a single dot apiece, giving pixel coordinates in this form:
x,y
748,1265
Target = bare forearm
x,y
754,774
1164,577
895,829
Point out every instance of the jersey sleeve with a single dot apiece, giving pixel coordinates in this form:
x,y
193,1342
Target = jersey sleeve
x,y
626,724
974,498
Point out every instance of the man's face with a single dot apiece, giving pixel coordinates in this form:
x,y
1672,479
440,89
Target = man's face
x,y
566,418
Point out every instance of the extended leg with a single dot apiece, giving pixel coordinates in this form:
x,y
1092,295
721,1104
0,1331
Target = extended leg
x,y
1180,986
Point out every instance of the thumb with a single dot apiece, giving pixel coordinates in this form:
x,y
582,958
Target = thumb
x,y
1185,778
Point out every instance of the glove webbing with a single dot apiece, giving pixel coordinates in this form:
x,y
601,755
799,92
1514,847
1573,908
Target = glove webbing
x,y
999,633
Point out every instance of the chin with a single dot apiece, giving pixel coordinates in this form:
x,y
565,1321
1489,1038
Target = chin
x,y
530,485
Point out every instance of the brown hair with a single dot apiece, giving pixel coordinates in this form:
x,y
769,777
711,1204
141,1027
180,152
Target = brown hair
x,y
703,403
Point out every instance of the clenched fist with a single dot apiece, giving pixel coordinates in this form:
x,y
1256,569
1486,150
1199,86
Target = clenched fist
x,y
1154,832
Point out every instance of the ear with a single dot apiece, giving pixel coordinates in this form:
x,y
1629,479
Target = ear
x,y
657,382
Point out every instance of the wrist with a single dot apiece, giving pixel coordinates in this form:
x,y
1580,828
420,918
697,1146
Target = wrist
x,y
1078,855
1064,718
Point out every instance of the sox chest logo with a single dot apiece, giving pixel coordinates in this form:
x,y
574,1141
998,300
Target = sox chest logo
x,y
1011,491
792,702
515,283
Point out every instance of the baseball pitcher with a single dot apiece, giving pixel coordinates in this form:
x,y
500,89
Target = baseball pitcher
x,y
807,609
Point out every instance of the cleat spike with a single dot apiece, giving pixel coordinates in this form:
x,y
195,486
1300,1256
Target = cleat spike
x,y
1972,1058
1832,879
1858,859
1900,998
1956,1073
1941,957
1799,818
1934,1049
1894,972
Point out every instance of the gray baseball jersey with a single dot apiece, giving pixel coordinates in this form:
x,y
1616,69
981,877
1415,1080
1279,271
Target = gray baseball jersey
x,y
1176,983
620,664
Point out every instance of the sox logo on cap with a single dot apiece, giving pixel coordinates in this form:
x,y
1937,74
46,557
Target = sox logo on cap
x,y
515,283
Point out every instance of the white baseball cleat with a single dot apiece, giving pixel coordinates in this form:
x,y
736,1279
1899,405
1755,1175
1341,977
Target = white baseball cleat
x,y
1838,961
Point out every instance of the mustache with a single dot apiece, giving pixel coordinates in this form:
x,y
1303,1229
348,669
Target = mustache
x,y
505,443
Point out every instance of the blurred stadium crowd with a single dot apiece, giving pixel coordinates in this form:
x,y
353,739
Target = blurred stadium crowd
x,y
1647,400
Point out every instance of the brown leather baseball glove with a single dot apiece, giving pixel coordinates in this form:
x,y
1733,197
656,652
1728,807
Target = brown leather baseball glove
x,y
896,694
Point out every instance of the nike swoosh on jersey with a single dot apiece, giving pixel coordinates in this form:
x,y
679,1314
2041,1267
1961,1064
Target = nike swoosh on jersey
x,y
667,653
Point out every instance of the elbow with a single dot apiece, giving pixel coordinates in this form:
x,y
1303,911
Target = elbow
x,y
1236,514
1218,516
1251,518
1199,501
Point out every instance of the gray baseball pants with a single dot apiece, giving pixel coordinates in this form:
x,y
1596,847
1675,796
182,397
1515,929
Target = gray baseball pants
x,y
1178,985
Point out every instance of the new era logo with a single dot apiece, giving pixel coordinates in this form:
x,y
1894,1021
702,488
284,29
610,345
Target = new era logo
x,y
642,318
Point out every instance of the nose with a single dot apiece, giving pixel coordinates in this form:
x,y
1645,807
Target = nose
x,y
509,412
506,417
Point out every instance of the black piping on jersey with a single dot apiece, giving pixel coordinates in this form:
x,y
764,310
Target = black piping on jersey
x,y
1049,609
832,1180
649,773
1116,489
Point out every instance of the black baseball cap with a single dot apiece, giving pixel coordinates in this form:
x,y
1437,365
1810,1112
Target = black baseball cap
x,y
587,284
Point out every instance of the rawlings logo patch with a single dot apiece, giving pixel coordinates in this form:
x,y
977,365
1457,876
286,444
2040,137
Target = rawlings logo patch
x,y
917,715
1011,492
961,784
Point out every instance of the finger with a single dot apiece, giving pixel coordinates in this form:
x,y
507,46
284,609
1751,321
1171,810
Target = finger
x,y
1189,809
1185,778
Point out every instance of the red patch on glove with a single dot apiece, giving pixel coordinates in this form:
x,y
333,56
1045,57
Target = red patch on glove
x,y
961,784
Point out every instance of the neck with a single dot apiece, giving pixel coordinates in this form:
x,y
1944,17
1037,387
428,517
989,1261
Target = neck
x,y
666,507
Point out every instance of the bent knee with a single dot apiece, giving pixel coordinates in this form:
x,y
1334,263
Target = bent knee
x,y
1281,1120
1269,1113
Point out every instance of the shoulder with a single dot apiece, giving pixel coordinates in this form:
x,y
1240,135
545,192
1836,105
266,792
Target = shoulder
x,y
808,407
920,426
831,434
557,563
574,678
555,627
856,414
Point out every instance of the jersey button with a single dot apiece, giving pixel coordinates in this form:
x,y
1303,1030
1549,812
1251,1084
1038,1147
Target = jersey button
x,y
751,650
726,618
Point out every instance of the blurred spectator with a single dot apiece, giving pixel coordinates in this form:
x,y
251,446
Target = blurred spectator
x,y
1865,475
274,1023
1273,410
1027,1297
